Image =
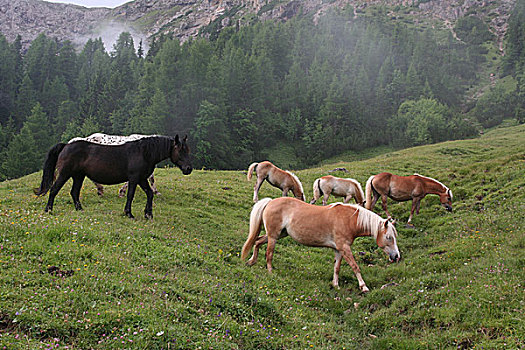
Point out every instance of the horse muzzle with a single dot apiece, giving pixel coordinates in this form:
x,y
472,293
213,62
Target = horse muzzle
x,y
448,207
395,257
187,170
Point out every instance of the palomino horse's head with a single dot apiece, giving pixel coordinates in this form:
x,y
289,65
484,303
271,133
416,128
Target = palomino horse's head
x,y
446,199
386,240
180,155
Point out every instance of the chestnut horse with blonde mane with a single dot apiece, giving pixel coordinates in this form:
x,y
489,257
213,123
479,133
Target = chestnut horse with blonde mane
x,y
276,177
334,226
403,188
339,187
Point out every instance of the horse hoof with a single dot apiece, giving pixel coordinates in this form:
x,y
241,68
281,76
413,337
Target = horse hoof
x,y
365,289
129,215
410,226
148,216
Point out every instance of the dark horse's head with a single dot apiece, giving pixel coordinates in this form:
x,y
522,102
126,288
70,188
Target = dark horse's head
x,y
180,155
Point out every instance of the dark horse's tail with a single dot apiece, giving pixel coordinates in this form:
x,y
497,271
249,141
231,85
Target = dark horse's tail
x,y
49,169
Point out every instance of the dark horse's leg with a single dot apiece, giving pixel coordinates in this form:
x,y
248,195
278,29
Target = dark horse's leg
x,y
61,180
148,211
122,191
75,191
131,193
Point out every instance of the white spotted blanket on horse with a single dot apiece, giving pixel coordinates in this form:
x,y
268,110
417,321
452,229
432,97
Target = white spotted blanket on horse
x,y
110,140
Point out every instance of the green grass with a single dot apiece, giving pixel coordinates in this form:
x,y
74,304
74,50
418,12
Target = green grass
x,y
176,282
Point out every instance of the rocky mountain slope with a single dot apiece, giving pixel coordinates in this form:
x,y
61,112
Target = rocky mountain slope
x,y
187,18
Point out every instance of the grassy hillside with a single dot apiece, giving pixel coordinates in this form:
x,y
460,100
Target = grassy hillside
x,y
96,279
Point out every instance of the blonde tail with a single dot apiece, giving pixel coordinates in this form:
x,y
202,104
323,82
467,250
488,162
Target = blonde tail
x,y
255,226
317,191
369,190
250,170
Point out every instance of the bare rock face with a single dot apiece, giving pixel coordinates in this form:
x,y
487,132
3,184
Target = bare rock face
x,y
29,18
146,19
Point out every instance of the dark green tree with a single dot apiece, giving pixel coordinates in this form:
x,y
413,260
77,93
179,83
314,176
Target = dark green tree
x,y
26,151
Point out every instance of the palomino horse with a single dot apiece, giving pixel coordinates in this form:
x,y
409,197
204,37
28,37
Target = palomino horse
x,y
404,188
276,177
133,161
346,188
334,226
114,140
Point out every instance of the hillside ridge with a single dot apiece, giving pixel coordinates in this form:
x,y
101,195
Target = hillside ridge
x,y
187,18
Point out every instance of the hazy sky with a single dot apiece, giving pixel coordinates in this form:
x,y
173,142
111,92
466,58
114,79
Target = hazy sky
x,y
93,3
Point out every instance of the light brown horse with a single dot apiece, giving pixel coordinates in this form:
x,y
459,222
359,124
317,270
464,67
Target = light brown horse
x,y
334,226
404,188
276,177
339,187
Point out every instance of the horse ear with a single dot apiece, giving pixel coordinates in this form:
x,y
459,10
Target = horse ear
x,y
185,138
177,141
386,223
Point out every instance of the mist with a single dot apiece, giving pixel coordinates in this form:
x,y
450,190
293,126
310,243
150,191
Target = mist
x,y
109,32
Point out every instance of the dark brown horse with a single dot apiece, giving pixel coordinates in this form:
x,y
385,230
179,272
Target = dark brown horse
x,y
133,161
276,177
403,188
334,226
114,140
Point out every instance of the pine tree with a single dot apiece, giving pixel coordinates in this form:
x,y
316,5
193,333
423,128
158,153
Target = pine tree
x,y
25,101
21,158
26,152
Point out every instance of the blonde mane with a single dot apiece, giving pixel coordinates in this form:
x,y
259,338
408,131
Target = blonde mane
x,y
296,179
366,219
429,178
358,185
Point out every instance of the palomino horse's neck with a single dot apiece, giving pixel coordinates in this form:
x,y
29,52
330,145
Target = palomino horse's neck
x,y
298,186
359,195
433,186
368,222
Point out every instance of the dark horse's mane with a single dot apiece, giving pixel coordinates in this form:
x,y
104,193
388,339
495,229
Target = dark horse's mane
x,y
155,147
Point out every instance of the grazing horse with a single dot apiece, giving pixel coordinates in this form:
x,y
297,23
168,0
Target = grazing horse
x,y
334,226
133,161
346,188
276,177
404,188
113,140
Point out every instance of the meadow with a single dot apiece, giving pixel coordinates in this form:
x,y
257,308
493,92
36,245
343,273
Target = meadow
x,y
94,279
